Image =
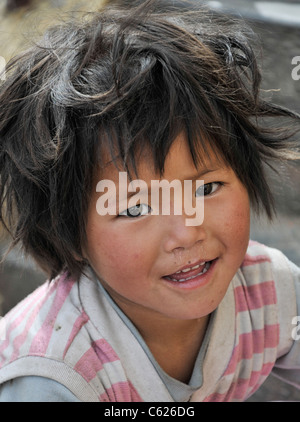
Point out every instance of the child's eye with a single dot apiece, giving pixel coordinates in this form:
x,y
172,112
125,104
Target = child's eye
x,y
208,189
136,211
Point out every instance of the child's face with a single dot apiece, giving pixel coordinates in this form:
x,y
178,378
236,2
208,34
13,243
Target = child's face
x,y
133,256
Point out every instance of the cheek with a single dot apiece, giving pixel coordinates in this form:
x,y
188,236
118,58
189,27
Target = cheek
x,y
237,217
238,220
116,254
232,220
105,250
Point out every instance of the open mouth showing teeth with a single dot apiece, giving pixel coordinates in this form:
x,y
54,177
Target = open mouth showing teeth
x,y
189,273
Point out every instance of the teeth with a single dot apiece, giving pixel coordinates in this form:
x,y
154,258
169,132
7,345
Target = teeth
x,y
207,265
186,270
191,268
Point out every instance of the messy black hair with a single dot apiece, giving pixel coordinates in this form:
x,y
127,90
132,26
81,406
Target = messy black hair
x,y
125,79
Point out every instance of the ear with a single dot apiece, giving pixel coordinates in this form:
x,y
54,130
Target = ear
x,y
80,258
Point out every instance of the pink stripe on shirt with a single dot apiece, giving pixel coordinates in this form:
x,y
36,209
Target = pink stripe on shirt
x,y
104,351
41,340
88,365
93,360
255,296
242,387
253,343
121,392
79,323
252,260
33,301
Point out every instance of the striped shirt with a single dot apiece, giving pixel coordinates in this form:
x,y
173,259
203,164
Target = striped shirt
x,y
69,332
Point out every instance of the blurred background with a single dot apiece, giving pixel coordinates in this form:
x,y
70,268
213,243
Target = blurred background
x,y
278,27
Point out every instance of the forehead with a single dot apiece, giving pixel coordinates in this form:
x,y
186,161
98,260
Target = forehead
x,y
178,161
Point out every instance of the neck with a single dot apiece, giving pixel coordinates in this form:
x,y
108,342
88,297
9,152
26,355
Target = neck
x,y
175,344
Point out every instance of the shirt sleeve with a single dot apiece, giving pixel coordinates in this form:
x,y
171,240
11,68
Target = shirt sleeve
x,y
35,389
287,367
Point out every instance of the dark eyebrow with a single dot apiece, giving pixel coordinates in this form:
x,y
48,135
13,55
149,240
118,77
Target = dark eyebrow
x,y
204,172
130,194
197,176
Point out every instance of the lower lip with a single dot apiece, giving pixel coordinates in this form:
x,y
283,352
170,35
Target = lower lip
x,y
199,281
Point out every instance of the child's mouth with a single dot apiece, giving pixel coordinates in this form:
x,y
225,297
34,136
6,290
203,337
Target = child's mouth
x,y
189,273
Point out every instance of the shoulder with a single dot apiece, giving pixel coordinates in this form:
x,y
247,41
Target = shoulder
x,y
35,389
260,257
62,332
41,324
38,337
274,282
263,261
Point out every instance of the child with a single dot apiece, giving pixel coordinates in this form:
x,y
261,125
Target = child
x,y
141,305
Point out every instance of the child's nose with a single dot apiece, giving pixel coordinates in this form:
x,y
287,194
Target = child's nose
x,y
179,235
